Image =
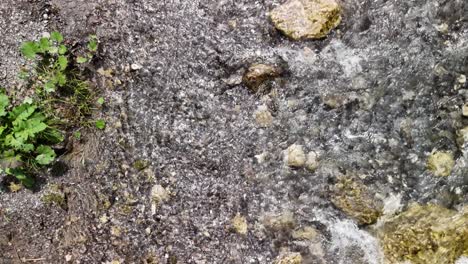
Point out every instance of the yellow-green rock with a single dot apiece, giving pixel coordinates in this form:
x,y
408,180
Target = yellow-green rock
x,y
290,258
295,156
263,116
306,233
425,234
239,224
306,19
356,200
462,136
282,222
440,163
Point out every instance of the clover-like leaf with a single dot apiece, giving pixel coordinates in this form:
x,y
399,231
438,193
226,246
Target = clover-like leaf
x,y
62,62
81,59
100,124
4,102
92,44
62,49
43,45
46,155
29,49
25,179
56,36
49,86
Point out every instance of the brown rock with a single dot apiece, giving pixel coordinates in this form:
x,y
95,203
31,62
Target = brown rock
x,y
257,74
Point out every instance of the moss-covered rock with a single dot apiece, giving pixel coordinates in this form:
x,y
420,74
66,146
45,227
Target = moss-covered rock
x,y
425,234
356,200
54,196
306,19
440,163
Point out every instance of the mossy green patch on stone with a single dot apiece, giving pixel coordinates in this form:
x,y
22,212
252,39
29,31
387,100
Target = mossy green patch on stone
x,y
54,196
356,200
141,164
306,19
440,163
425,234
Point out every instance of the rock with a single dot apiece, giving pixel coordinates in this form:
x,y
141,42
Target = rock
x,y
294,156
306,19
306,233
440,163
116,231
289,258
282,222
158,196
141,164
462,136
334,101
263,116
425,234
239,224
136,66
257,74
312,161
465,110
356,200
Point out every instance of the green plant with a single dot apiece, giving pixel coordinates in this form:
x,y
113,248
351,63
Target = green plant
x,y
26,137
58,82
100,124
62,101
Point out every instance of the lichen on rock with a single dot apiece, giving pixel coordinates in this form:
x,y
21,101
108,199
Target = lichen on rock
x,y
440,163
306,19
425,234
356,200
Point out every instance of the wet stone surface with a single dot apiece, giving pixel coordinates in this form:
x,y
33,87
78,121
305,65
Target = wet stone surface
x,y
374,98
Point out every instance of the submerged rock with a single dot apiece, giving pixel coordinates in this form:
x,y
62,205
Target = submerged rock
x,y
425,234
440,163
356,200
306,19
257,74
